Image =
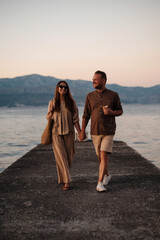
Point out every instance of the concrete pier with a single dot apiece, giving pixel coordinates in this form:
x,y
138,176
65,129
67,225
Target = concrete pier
x,y
33,206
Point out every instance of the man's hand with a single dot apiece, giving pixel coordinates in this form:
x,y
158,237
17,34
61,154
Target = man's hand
x,y
108,111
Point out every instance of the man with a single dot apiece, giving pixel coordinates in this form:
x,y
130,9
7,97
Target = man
x,y
102,105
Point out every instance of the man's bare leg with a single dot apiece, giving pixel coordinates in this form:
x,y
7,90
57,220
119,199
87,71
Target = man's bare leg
x,y
103,165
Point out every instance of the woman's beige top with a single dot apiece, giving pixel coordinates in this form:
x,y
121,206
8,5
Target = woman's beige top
x,y
64,120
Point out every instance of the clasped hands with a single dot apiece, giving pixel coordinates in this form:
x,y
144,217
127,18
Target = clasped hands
x,y
82,135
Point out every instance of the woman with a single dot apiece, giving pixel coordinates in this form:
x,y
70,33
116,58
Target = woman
x,y
64,112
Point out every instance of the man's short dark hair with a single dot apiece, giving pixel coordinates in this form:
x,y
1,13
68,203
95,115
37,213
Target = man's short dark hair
x,y
103,74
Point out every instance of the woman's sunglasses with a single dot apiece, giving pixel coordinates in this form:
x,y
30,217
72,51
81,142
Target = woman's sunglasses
x,y
61,86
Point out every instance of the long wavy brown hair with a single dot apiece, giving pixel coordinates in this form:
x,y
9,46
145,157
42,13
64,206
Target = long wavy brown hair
x,y
68,98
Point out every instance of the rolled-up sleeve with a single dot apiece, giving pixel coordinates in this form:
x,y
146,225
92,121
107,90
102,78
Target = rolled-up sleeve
x,y
117,103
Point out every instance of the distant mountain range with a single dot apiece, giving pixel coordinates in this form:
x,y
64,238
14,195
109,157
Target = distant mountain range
x,y
33,90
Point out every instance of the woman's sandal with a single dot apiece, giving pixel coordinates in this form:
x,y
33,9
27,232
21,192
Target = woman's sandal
x,y
65,187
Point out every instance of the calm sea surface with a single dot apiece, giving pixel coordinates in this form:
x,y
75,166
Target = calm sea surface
x,y
21,129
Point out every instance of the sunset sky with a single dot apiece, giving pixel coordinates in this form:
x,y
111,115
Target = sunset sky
x,y
71,39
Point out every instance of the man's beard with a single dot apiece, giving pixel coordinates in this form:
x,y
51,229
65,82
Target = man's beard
x,y
98,87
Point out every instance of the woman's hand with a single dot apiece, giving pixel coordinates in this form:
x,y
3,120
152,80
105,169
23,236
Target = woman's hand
x,y
51,108
50,111
49,115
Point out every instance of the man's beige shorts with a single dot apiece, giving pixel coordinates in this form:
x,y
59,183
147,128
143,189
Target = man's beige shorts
x,y
102,143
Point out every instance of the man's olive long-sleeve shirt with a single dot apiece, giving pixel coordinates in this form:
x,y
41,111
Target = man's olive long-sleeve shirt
x,y
102,124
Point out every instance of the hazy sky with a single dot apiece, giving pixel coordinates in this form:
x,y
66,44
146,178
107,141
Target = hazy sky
x,y
74,38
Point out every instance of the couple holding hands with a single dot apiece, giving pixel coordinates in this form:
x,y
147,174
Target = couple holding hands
x,y
102,106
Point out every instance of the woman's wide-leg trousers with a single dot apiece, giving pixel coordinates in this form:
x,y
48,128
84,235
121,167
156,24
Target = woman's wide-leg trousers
x,y
63,147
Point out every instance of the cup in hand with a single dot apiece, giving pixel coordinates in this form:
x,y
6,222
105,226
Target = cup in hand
x,y
105,109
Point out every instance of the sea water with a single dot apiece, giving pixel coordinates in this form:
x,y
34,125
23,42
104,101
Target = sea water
x,y
21,129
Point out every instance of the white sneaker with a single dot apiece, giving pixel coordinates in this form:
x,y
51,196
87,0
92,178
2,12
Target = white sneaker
x,y
100,187
106,179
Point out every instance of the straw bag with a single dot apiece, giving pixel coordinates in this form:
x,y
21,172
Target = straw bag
x,y
46,137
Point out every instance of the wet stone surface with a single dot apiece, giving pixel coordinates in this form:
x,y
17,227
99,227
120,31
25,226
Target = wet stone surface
x,y
33,206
